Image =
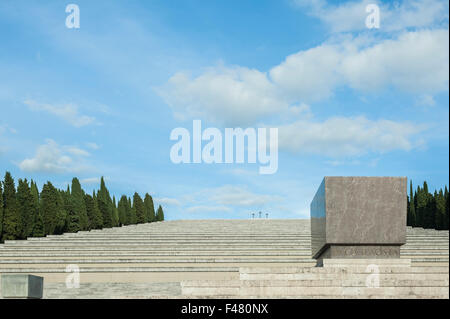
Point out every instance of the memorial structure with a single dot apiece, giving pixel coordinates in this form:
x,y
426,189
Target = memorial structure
x,y
359,217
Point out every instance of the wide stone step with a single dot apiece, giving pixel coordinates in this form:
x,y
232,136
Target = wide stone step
x,y
244,271
112,290
341,277
422,236
154,247
423,248
102,254
318,292
426,242
385,280
430,259
183,233
108,270
162,238
5,259
420,253
62,269
7,263
157,248
151,241
136,275
7,252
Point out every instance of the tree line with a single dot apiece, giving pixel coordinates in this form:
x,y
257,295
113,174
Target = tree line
x,y
26,212
428,210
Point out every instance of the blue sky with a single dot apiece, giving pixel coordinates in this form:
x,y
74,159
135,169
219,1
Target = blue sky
x,y
102,100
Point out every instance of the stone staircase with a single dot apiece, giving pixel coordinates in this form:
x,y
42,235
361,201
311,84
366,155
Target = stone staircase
x,y
164,259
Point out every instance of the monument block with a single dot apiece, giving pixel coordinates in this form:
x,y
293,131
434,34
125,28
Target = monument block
x,y
359,217
22,286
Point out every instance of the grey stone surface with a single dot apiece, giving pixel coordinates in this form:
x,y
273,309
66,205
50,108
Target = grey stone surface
x,y
22,286
151,260
112,290
339,278
367,214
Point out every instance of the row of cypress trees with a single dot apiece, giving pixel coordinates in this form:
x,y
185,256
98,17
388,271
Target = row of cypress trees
x,y
26,212
428,210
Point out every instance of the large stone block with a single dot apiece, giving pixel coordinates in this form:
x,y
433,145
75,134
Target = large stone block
x,y
359,217
22,286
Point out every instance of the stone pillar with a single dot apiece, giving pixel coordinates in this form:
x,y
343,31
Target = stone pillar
x,y
359,217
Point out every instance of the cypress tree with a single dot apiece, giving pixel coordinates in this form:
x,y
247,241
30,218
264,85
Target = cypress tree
x,y
93,213
73,218
412,208
26,213
131,213
421,206
25,205
78,219
440,210
447,217
138,206
408,216
49,208
149,208
104,204
416,219
122,210
67,202
160,214
11,214
430,212
1,211
98,214
62,215
38,228
429,209
115,213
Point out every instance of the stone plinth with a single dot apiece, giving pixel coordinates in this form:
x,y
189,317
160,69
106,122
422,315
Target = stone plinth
x,y
22,286
359,217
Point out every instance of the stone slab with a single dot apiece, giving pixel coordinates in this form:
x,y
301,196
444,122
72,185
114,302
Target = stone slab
x,y
22,286
359,211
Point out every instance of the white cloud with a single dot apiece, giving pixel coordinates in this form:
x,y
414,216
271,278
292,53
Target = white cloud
x,y
227,198
207,209
342,162
53,158
168,201
77,151
238,196
67,112
426,100
92,146
351,15
90,180
220,93
309,75
415,62
6,128
342,136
